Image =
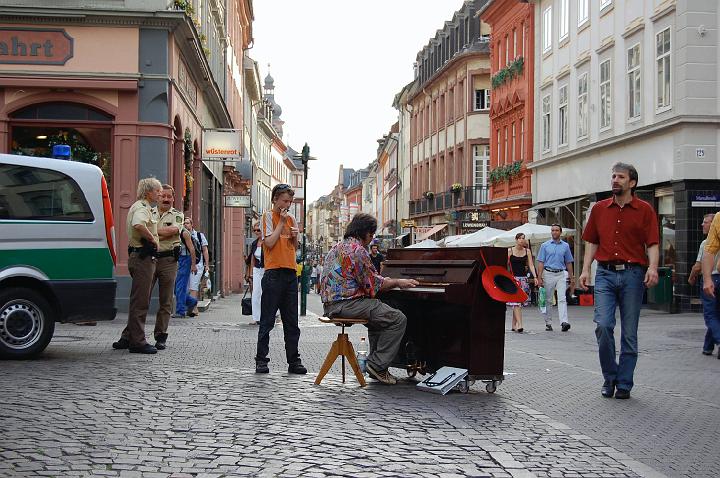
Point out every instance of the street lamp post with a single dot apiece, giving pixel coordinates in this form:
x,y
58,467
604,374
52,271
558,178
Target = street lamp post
x,y
304,276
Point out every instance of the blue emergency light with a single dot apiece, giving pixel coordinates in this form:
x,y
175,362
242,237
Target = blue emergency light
x,y
61,151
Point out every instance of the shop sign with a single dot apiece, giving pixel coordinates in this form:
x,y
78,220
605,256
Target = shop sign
x,y
473,225
705,200
221,145
237,201
420,230
35,46
407,223
475,216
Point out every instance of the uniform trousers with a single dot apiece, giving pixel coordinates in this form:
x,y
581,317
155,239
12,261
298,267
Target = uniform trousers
x,y
165,272
142,272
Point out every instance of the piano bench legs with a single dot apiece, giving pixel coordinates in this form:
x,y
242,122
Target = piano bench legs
x,y
344,349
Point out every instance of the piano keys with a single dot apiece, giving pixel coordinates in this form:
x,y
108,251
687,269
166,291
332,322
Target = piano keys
x,y
452,321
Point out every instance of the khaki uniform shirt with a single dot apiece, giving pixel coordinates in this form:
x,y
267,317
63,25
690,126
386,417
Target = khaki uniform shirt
x,y
141,213
171,217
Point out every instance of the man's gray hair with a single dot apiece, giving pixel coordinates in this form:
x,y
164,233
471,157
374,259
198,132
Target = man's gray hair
x,y
710,214
146,185
630,170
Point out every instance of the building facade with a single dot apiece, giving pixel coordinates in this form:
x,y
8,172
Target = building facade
x,y
449,137
636,82
403,154
510,101
140,111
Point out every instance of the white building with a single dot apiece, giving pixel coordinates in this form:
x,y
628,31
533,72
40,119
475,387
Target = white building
x,y
632,81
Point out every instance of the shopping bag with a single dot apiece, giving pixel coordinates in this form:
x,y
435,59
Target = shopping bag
x,y
442,381
542,300
246,303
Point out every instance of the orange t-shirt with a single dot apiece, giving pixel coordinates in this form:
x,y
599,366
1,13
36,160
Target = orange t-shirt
x,y
282,255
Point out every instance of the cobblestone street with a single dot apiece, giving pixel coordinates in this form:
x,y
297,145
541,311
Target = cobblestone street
x,y
198,408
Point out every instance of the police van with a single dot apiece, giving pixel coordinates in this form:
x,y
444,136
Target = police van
x,y
57,250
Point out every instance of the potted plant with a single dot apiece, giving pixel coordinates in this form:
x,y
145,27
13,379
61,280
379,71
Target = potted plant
x,y
429,195
456,188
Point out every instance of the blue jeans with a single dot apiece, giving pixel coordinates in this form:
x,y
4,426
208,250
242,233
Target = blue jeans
x,y
623,289
183,300
711,316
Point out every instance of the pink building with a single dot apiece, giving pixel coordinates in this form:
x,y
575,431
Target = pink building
x,y
131,92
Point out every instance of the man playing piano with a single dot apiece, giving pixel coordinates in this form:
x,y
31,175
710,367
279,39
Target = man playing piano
x,y
348,286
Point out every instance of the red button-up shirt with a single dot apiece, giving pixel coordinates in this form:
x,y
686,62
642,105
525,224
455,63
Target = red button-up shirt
x,y
622,233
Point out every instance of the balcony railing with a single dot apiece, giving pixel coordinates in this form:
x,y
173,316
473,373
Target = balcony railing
x,y
468,196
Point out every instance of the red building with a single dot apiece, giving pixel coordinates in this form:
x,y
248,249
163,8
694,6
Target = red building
x,y
511,107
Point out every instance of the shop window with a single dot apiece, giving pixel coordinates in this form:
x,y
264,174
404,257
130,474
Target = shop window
x,y
61,111
89,145
666,215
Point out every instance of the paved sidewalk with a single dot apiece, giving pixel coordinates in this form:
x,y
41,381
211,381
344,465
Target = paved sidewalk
x,y
197,408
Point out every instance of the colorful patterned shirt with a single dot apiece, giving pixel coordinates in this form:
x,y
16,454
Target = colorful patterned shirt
x,y
349,273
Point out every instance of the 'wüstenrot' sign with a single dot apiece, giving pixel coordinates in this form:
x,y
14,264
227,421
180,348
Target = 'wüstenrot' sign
x,y
221,145
35,46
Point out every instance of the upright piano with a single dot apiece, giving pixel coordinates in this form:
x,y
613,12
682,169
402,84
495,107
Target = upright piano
x,y
451,320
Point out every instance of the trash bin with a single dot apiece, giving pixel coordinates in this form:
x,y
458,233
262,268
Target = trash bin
x,y
662,293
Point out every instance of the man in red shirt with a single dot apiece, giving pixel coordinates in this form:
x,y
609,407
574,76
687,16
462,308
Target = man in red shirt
x,y
622,235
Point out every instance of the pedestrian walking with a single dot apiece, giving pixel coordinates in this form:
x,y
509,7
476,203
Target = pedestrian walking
x,y
376,257
279,234
202,265
141,226
522,265
184,302
348,288
554,260
711,280
710,309
622,235
314,276
254,274
320,269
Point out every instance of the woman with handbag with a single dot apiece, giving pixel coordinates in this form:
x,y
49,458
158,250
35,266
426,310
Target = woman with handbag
x,y
255,273
520,262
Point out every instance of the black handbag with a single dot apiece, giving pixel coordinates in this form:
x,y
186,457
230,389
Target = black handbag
x,y
246,303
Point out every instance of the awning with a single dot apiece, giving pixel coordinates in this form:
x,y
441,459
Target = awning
x,y
554,204
399,238
426,234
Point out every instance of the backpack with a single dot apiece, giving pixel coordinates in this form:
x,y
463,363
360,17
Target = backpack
x,y
198,246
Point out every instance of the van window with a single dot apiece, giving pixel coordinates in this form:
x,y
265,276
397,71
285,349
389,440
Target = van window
x,y
28,193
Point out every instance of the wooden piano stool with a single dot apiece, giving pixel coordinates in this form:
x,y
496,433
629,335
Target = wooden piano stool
x,y
342,348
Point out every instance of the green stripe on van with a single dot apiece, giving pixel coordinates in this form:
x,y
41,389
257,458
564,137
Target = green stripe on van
x,y
62,264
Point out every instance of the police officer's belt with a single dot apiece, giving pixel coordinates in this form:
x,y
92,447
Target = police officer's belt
x,y
132,249
169,253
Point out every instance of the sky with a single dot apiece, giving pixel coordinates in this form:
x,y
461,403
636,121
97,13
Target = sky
x,y
337,67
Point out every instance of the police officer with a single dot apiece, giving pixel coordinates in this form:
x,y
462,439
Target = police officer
x,y
169,228
142,222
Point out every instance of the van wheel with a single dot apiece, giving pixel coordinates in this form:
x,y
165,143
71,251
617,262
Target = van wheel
x,y
26,323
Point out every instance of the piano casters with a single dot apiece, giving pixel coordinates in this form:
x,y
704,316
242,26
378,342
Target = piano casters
x,y
492,385
342,348
413,365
